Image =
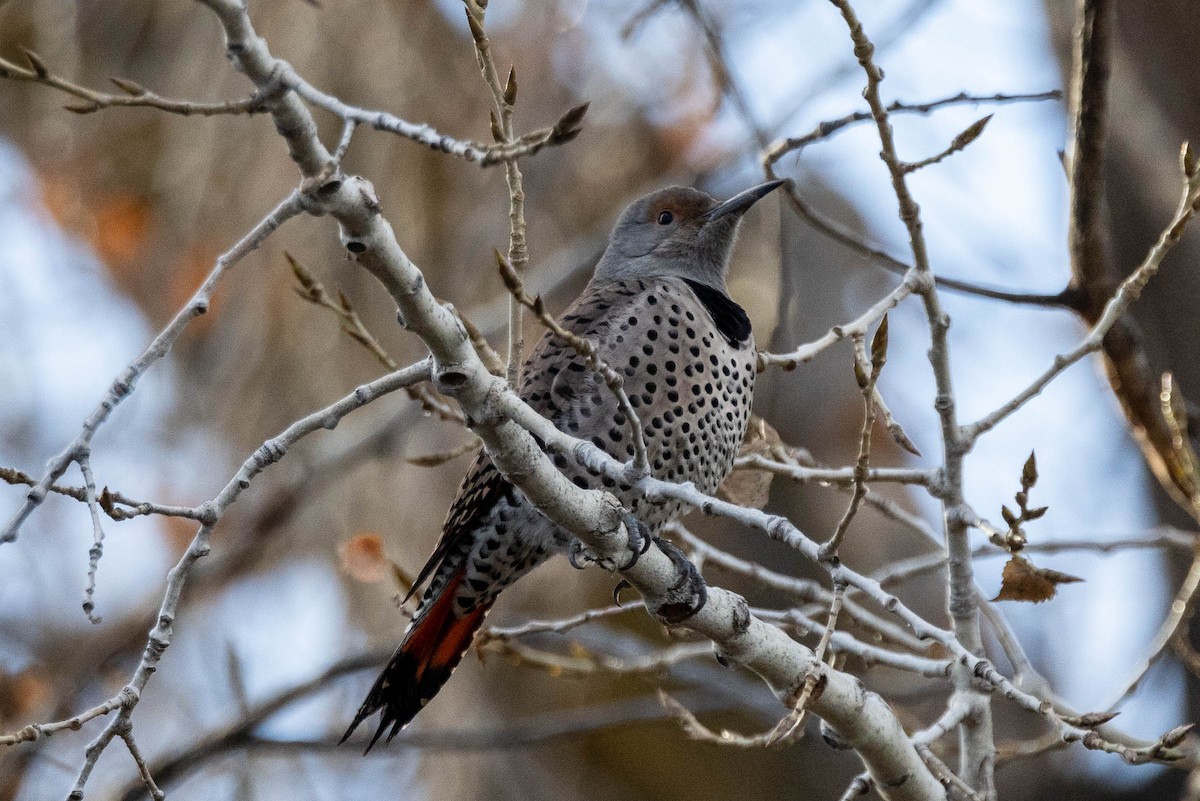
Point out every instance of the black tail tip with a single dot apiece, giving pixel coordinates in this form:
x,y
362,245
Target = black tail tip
x,y
387,719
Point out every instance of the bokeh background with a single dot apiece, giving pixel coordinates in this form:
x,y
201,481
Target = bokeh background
x,y
109,221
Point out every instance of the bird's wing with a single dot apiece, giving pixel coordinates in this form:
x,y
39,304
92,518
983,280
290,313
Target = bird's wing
x,y
554,383
481,489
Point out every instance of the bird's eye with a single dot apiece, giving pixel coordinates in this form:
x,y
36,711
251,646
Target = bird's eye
x,y
665,218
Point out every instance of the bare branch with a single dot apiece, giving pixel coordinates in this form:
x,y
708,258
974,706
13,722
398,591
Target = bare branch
x,y
125,383
840,476
867,371
134,94
561,132
957,145
504,97
1129,291
839,233
84,458
211,513
858,327
976,741
110,502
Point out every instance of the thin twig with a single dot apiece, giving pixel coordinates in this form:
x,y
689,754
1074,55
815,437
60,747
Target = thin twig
x,y
143,770
957,145
789,728
836,476
211,513
561,132
976,741
639,465
84,459
855,328
125,383
110,501
845,644
866,371
504,97
1178,613
549,626
808,590
839,233
314,292
134,94
1128,292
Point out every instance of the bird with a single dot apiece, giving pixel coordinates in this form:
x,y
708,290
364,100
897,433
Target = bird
x,y
658,312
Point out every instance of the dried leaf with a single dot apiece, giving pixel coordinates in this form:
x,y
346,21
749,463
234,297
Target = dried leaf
x,y
747,486
122,230
1024,581
362,558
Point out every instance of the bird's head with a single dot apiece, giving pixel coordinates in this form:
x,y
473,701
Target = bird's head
x,y
677,231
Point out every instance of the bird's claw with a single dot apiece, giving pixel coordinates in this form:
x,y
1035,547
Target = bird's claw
x,y
579,556
639,542
623,584
639,539
689,594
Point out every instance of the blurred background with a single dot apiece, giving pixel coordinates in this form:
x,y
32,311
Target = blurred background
x,y
109,221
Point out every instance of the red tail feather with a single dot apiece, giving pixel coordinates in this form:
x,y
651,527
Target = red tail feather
x,y
432,648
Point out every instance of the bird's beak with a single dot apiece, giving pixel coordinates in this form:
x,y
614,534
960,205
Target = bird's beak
x,y
741,201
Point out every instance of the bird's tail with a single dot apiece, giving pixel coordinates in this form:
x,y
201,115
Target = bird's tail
x,y
432,648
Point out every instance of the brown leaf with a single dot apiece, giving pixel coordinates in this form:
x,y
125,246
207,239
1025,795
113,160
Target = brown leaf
x,y
122,229
747,486
1022,580
362,558
22,694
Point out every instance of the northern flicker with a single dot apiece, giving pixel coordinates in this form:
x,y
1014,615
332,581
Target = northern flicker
x,y
659,312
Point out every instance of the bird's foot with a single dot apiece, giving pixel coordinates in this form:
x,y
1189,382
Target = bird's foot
x,y
688,595
580,556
